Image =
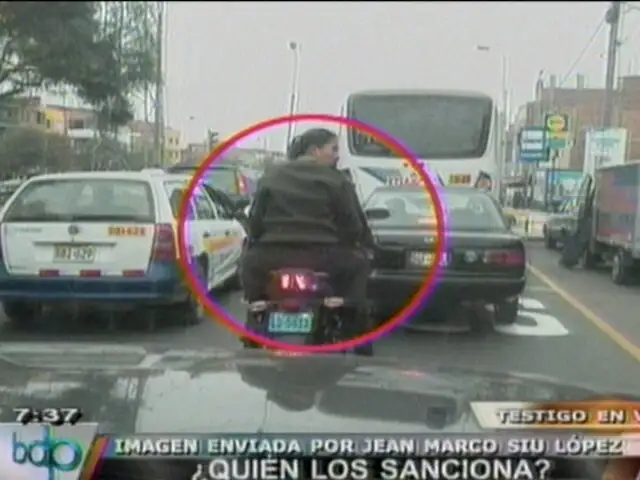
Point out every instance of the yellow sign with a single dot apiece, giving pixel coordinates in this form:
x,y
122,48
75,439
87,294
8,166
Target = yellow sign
x,y
459,179
557,125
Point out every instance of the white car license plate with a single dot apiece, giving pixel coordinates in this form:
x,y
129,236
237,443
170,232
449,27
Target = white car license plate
x,y
296,322
74,253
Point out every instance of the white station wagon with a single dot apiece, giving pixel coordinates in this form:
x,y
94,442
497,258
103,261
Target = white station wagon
x,y
110,238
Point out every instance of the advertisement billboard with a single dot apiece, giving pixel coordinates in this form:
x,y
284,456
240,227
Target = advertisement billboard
x,y
604,148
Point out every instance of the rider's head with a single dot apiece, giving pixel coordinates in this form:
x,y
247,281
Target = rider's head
x,y
319,143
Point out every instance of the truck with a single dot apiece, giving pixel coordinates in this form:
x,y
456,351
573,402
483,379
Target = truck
x,y
608,210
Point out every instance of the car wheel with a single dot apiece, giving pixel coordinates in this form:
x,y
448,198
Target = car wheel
x,y
620,271
506,312
235,283
21,313
190,311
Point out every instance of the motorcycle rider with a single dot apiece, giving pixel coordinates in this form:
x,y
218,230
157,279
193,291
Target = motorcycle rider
x,y
306,214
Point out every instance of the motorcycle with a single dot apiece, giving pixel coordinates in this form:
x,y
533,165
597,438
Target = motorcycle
x,y
301,309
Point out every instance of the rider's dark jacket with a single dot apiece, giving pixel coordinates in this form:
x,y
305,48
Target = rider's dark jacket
x,y
307,202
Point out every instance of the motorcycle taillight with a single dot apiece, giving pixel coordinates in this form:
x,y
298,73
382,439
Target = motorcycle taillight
x,y
293,282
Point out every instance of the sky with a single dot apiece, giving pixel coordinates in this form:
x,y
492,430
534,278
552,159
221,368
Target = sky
x,y
229,65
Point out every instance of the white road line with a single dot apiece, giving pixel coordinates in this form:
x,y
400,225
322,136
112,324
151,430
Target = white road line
x,y
540,288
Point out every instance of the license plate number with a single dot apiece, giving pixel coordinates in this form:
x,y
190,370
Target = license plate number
x,y
425,259
459,179
298,322
74,253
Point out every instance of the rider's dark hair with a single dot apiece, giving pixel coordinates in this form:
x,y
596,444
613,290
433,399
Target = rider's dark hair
x,y
314,138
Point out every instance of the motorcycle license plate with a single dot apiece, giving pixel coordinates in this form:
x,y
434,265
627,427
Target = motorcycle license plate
x,y
295,322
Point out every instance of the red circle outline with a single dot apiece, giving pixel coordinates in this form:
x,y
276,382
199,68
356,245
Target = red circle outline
x,y
220,315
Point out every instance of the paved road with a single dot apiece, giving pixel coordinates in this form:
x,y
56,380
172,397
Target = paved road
x,y
616,305
553,336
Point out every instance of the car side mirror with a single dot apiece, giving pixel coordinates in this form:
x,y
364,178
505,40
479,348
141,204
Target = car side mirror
x,y
377,213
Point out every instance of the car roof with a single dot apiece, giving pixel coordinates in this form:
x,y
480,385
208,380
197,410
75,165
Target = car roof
x,y
419,188
193,163
143,175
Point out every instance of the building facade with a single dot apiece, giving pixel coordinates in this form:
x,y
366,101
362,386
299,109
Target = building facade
x,y
585,109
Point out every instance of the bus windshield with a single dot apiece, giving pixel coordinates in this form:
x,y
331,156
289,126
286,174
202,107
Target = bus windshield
x,y
431,126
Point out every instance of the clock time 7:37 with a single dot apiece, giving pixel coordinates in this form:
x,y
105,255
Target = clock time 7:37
x,y
55,416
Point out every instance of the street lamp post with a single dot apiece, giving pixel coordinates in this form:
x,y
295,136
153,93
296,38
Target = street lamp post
x,y
504,93
295,48
504,86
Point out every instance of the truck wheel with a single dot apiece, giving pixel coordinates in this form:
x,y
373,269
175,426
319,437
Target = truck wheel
x,y
21,313
506,312
621,268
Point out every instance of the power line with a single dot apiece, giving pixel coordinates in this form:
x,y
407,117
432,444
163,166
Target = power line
x,y
583,52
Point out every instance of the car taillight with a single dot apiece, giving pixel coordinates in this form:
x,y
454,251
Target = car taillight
x,y
164,246
505,258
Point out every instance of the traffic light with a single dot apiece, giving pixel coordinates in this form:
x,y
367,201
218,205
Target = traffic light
x,y
212,138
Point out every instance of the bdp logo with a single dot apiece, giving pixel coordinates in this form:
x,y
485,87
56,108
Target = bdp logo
x,y
54,454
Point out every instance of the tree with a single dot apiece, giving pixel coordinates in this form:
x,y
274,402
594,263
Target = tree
x,y
28,150
44,44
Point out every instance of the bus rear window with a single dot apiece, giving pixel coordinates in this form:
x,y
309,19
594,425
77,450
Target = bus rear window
x,y
431,126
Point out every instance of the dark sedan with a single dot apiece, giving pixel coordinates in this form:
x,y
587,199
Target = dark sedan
x,y
484,262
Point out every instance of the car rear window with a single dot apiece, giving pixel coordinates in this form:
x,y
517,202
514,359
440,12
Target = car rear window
x,y
175,193
83,199
222,179
469,210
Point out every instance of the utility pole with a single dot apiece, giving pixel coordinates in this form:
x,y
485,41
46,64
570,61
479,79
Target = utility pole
x,y
158,138
294,47
613,19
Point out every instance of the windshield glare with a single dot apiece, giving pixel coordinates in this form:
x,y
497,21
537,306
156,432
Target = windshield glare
x,y
463,211
83,199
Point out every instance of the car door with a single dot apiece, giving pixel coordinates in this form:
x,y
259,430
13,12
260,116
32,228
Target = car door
x,y
583,198
234,234
193,230
227,206
210,234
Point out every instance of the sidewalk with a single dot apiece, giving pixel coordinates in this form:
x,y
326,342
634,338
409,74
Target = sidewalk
x,y
529,223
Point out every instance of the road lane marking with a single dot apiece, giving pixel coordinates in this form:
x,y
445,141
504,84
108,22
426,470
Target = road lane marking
x,y
604,327
539,288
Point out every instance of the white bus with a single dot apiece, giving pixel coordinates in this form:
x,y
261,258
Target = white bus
x,y
454,134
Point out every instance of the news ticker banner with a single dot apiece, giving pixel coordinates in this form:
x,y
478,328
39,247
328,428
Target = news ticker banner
x,y
601,415
77,452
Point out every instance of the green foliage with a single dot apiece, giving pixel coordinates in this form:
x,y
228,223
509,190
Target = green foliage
x,y
26,150
44,44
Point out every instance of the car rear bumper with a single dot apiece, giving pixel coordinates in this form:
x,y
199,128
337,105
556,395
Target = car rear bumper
x,y
161,284
391,291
